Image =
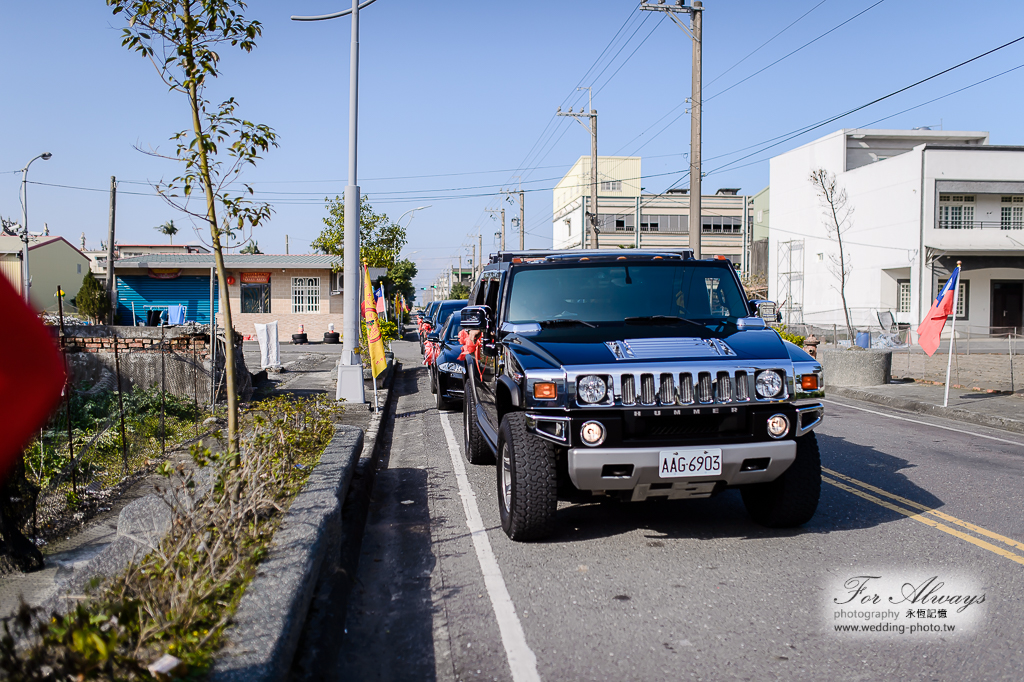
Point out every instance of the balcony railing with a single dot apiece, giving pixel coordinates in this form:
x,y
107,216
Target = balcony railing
x,y
979,224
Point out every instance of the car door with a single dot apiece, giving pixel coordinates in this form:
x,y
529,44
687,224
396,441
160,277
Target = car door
x,y
490,356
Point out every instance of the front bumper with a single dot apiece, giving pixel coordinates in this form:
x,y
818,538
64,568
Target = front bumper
x,y
595,469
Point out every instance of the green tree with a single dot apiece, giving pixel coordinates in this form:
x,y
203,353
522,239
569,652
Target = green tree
x,y
459,290
182,38
380,240
399,278
251,248
167,228
92,299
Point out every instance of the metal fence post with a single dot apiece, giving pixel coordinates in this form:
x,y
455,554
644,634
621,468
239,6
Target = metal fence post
x,y
120,405
195,382
67,391
1009,342
163,392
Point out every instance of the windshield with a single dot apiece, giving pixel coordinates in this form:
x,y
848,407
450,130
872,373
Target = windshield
x,y
612,293
451,330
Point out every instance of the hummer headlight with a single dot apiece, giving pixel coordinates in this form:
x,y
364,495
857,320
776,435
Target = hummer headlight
x,y
768,384
591,389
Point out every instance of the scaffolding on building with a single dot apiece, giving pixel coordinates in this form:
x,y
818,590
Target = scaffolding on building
x,y
791,280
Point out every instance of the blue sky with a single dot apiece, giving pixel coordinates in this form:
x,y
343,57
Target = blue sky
x,y
458,100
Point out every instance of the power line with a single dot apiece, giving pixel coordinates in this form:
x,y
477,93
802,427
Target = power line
x,y
790,54
756,49
708,99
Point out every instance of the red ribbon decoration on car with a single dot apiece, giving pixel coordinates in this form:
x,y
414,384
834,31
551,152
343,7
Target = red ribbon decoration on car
x,y
432,350
470,348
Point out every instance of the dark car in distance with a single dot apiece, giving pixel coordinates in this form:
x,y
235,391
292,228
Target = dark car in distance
x,y
447,371
440,313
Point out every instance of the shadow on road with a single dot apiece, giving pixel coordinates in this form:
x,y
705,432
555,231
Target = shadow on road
x,y
724,515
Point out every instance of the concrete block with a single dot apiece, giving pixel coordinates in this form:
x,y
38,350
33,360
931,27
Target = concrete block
x,y
865,367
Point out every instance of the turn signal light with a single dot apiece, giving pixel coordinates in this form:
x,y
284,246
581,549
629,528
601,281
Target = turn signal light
x,y
809,382
545,391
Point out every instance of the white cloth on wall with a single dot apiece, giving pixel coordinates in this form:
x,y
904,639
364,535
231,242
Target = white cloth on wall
x,y
270,346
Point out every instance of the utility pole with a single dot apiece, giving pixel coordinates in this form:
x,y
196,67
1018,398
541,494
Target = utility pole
x,y
592,129
522,220
286,245
480,249
110,251
695,11
502,229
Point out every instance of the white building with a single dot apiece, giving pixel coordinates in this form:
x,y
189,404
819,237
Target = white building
x,y
663,218
922,200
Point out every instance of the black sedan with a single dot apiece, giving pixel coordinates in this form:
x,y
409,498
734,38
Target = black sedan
x,y
446,370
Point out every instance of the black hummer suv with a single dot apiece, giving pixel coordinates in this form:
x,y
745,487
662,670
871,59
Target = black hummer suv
x,y
635,374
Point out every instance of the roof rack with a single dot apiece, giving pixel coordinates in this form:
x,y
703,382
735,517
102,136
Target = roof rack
x,y
591,254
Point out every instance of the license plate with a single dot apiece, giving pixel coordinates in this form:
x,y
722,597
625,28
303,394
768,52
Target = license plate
x,y
691,462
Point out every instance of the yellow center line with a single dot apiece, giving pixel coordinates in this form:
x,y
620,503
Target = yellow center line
x,y
919,517
917,505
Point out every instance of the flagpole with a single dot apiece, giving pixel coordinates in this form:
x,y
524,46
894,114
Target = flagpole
x,y
952,333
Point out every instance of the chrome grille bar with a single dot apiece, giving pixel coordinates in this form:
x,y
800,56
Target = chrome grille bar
x,y
647,389
724,387
628,389
704,390
667,392
686,388
742,386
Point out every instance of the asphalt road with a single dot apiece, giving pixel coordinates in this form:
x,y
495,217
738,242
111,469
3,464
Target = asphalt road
x,y
693,589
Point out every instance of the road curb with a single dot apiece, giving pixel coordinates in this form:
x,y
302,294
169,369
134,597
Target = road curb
x,y
1004,423
266,628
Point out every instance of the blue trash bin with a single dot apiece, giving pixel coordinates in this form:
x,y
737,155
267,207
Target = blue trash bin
x,y
864,339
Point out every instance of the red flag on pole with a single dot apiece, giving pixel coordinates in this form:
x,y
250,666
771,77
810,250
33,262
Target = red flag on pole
x,y
933,323
31,378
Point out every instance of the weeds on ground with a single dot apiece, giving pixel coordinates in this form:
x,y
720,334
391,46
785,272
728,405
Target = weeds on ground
x,y
179,598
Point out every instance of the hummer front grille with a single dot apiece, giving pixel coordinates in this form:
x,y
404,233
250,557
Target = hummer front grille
x,y
665,388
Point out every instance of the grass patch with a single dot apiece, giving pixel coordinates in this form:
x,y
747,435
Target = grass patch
x,y
179,598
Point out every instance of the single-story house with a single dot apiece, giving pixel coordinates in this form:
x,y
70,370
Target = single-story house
x,y
52,262
293,289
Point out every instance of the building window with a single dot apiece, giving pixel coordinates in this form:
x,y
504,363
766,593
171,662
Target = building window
x,y
1011,213
255,298
305,294
903,295
721,224
79,268
611,185
962,307
956,211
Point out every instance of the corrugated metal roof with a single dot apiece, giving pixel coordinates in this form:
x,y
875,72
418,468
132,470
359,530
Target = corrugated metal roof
x,y
231,260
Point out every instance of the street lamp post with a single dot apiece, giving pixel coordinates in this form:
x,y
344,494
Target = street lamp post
x,y
350,388
411,210
26,282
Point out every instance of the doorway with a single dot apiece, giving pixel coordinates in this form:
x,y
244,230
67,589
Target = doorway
x,y
1008,304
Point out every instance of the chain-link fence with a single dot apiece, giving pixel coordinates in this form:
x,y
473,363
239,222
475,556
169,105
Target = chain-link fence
x,y
134,394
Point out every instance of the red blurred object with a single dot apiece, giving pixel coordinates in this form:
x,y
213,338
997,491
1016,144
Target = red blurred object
x,y
31,375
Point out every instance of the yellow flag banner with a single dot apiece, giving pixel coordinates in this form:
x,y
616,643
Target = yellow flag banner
x,y
373,339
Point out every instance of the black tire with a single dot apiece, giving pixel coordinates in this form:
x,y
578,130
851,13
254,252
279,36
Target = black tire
x,y
476,449
792,498
527,481
433,379
439,401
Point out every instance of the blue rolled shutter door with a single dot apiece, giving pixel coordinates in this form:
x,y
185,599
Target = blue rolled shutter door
x,y
189,290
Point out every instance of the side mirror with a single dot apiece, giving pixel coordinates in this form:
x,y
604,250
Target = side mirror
x,y
766,310
432,336
476,317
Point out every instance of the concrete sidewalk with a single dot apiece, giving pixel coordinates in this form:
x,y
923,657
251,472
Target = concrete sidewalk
x,y
996,410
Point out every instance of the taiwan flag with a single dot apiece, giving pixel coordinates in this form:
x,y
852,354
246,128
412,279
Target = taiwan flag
x,y
381,301
932,324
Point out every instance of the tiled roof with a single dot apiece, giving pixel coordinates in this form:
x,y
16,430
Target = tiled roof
x,y
231,260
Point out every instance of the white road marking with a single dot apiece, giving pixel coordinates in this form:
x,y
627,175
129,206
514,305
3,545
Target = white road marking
x,y
916,421
521,658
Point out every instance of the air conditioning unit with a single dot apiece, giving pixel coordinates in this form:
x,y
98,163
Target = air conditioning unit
x,y
337,283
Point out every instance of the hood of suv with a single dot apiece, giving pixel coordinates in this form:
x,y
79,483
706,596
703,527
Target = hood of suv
x,y
641,343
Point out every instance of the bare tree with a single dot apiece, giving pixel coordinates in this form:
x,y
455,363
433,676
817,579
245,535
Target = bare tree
x,y
837,217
